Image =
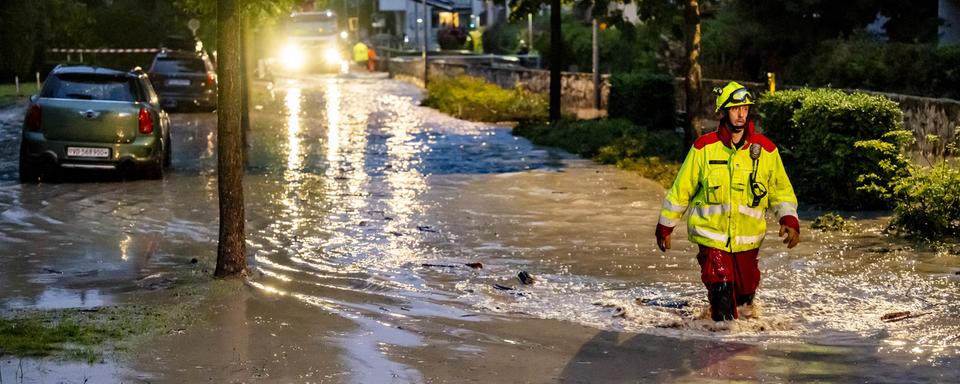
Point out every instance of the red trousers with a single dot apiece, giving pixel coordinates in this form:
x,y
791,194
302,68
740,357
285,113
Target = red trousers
x,y
739,268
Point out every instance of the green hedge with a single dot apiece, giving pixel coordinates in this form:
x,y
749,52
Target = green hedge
x,y
654,155
864,63
839,149
647,100
472,98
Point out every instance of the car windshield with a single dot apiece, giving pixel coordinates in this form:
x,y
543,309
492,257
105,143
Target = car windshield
x,y
304,25
178,65
86,86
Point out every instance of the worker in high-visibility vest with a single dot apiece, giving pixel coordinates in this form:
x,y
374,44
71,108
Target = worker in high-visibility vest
x,y
727,182
360,54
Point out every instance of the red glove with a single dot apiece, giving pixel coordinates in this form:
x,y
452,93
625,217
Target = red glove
x,y
663,237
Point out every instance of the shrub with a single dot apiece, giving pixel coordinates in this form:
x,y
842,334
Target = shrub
x,y
452,38
928,203
501,39
647,100
583,137
654,155
865,63
473,98
839,149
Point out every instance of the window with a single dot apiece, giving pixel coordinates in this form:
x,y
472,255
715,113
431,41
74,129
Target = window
x,y
174,65
84,86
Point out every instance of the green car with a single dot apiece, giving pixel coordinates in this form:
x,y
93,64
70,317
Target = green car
x,y
96,119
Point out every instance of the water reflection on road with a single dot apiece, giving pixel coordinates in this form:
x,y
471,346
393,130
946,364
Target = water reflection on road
x,y
364,207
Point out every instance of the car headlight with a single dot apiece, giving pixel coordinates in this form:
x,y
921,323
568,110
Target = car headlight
x,y
331,55
292,57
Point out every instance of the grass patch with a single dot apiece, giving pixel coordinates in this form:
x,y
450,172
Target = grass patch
x,y
8,92
654,155
472,98
84,334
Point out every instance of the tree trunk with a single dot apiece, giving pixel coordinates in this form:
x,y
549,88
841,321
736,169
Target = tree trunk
x,y
694,106
231,252
556,59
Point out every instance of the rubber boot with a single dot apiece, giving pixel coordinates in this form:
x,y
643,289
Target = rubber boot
x,y
721,301
745,299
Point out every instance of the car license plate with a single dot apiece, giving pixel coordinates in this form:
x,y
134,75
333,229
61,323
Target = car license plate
x,y
179,82
88,152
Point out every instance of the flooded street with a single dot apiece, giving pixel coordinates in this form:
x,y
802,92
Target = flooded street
x,y
363,211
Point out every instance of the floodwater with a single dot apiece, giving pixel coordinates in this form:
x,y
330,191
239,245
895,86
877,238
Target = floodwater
x,y
363,210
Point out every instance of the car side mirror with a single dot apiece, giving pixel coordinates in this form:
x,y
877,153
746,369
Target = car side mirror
x,y
34,97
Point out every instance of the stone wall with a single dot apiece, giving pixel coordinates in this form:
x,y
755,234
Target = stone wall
x,y
922,115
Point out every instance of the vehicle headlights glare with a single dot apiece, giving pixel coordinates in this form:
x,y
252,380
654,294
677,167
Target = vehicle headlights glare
x,y
292,57
331,55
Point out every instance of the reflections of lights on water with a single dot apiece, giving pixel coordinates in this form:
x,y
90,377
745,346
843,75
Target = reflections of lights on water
x,y
293,173
125,247
405,181
275,275
211,148
292,102
333,120
266,288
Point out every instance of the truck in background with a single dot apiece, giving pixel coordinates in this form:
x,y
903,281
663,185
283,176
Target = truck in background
x,y
309,43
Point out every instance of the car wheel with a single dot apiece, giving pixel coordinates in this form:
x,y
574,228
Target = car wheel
x,y
29,172
156,171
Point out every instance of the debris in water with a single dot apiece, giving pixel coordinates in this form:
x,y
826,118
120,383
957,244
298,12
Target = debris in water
x,y
829,222
619,312
897,316
438,265
525,278
51,270
471,265
676,304
502,287
426,228
194,260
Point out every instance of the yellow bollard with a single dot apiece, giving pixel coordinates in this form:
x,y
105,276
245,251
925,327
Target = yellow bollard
x,y
772,82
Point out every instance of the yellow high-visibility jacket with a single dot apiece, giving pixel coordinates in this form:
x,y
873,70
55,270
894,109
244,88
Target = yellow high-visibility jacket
x,y
360,52
714,187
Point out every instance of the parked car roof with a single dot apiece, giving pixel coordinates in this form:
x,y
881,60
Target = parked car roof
x,y
87,69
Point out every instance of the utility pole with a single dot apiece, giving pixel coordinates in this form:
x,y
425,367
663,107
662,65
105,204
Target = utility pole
x,y
530,30
426,65
596,65
556,60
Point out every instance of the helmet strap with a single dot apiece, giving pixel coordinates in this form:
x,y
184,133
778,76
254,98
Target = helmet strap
x,y
734,129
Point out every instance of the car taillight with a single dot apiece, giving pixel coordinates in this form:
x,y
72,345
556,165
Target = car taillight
x,y
32,121
211,79
146,121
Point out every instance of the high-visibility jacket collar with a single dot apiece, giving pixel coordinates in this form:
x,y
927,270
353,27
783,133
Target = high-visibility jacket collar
x,y
726,136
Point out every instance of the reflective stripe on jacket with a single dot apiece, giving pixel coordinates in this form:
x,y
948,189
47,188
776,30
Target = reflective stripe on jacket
x,y
713,187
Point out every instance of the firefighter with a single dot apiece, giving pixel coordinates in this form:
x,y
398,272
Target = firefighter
x,y
360,54
728,181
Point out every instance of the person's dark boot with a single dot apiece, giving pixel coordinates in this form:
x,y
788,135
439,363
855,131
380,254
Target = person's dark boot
x,y
721,301
745,299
